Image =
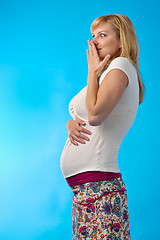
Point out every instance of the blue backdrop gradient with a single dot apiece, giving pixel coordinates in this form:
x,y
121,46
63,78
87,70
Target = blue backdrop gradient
x,y
43,64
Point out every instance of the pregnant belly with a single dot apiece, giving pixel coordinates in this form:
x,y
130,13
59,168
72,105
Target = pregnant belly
x,y
75,158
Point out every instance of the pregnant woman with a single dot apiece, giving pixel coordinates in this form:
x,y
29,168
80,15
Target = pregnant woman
x,y
103,112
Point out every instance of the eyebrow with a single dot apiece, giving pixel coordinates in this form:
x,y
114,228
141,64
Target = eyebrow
x,y
101,31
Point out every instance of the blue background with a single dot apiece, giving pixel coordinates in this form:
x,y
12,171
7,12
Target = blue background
x,y
43,64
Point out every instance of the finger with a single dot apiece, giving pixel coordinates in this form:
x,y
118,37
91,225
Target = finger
x,y
78,139
87,55
81,122
90,48
72,141
94,50
84,137
84,130
105,60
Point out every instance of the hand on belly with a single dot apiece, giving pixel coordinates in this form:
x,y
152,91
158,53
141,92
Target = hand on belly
x,y
75,131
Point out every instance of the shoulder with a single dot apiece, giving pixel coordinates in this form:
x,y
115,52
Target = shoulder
x,y
120,63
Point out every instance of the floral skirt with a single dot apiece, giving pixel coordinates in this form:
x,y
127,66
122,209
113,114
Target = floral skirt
x,y
100,211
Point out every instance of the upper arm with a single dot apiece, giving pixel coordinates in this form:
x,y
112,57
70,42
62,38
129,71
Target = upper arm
x,y
108,95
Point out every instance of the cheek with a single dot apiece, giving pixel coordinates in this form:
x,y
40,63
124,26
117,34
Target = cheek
x,y
108,43
113,45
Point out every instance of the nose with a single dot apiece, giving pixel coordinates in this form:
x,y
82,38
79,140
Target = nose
x,y
94,41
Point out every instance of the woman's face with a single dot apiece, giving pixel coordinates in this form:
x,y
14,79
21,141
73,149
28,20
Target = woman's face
x,y
106,40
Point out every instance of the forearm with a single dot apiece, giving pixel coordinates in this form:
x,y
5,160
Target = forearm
x,y
95,67
92,89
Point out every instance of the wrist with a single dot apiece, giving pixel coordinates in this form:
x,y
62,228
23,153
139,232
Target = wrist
x,y
93,74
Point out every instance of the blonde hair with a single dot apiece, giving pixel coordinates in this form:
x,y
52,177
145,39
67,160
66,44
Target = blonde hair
x,y
125,31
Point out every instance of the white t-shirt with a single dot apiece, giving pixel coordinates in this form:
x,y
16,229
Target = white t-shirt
x,y
101,152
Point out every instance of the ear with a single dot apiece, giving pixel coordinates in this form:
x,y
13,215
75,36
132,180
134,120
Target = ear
x,y
120,44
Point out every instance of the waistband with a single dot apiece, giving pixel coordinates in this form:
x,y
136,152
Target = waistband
x,y
91,176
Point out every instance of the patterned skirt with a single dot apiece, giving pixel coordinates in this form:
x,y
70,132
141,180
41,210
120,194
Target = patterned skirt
x,y
100,211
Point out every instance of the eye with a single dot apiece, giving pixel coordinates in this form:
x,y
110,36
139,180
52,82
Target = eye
x,y
102,35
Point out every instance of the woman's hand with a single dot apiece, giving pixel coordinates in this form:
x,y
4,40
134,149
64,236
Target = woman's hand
x,y
94,64
74,129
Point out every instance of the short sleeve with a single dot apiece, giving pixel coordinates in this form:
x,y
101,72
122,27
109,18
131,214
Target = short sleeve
x,y
118,63
71,108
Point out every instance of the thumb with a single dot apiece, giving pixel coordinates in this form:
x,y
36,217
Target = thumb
x,y
81,122
105,60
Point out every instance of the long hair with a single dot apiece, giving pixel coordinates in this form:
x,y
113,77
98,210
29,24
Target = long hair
x,y
125,31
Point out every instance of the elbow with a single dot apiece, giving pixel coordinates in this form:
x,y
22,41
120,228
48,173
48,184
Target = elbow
x,y
94,120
